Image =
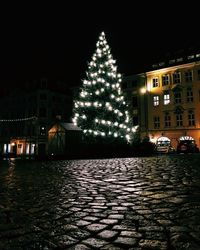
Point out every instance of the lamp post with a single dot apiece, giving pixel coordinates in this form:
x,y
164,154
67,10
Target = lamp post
x,y
144,109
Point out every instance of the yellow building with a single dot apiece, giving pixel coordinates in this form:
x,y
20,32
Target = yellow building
x,y
168,100
173,102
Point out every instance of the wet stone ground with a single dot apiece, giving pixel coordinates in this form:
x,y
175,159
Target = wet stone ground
x,y
130,203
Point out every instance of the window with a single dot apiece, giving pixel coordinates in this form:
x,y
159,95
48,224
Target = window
x,y
42,130
188,76
191,118
190,57
189,95
165,80
156,100
156,122
167,120
177,97
166,98
198,74
155,82
179,120
177,77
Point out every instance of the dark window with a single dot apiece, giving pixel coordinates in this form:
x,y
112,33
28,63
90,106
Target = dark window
x,y
155,82
189,95
156,122
165,80
191,118
177,77
167,120
179,120
188,76
177,97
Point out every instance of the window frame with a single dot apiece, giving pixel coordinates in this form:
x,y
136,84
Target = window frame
x,y
156,100
155,82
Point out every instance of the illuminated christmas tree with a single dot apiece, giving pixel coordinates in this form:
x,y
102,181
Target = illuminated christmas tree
x,y
101,110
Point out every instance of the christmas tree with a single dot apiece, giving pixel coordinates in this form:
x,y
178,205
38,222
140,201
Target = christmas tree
x,y
101,110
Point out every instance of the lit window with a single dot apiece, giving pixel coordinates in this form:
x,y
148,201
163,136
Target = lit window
x,y
171,61
156,122
191,118
189,95
177,77
155,82
42,130
190,57
166,99
179,59
156,100
165,80
188,76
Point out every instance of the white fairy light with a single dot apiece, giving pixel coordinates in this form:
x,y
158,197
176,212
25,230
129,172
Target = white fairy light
x,y
115,134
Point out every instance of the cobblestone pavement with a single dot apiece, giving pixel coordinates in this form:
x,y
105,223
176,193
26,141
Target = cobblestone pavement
x,y
130,203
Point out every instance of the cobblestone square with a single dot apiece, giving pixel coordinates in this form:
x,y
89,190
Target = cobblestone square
x,y
121,203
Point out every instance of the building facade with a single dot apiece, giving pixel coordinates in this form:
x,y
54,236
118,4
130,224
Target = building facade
x,y
168,102
26,114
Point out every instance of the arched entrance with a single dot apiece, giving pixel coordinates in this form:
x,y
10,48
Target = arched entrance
x,y
186,138
187,145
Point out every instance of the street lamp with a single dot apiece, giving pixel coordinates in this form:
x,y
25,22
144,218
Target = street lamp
x,y
143,90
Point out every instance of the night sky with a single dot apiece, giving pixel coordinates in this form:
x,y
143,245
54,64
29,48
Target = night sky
x,y
57,43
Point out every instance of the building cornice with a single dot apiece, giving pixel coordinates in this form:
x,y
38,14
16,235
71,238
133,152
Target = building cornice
x,y
172,68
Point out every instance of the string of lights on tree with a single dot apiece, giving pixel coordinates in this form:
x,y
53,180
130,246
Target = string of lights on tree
x,y
101,109
19,119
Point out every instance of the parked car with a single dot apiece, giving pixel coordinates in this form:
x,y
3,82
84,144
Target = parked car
x,y
187,146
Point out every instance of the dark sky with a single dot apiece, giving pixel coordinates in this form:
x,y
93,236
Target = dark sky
x,y
57,42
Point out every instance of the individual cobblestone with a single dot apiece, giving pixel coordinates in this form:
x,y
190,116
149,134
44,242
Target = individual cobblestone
x,y
130,203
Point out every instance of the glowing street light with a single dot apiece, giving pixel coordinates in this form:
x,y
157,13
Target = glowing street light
x,y
143,90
